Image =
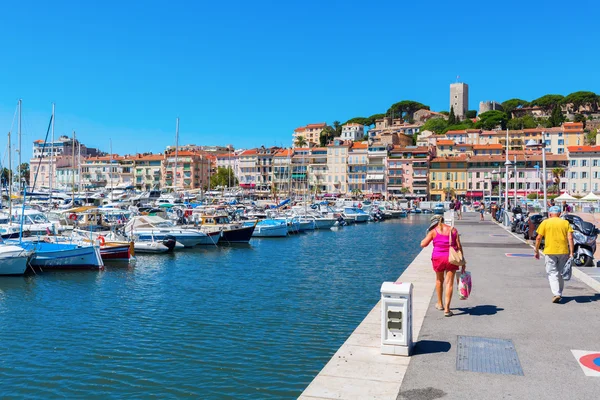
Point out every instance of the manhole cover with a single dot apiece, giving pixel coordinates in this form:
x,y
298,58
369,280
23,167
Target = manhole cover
x,y
487,355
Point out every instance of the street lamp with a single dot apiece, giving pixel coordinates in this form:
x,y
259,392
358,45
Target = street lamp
x,y
532,144
507,164
494,172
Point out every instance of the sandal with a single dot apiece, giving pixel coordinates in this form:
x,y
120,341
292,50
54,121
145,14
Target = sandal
x,y
448,314
439,308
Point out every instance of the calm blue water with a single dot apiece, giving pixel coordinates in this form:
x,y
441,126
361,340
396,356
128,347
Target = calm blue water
x,y
256,321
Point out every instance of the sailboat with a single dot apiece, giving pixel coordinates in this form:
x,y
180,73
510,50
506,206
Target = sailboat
x,y
13,259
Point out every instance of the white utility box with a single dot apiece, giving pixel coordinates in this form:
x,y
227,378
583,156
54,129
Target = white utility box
x,y
396,318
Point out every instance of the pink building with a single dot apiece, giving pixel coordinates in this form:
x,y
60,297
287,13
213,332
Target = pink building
x,y
408,168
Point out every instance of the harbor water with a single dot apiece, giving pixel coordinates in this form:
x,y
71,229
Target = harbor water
x,y
255,321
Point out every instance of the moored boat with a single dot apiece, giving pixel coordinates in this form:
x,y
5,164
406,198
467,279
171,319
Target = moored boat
x,y
270,228
13,260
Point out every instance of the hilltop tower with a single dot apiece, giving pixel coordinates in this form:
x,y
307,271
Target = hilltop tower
x,y
459,99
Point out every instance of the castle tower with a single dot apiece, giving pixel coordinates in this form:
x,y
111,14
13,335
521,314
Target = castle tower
x,y
459,99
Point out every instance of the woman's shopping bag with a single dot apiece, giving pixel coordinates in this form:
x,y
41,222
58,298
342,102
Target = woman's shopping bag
x,y
464,285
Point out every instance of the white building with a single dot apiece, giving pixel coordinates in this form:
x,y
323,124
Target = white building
x,y
353,132
584,169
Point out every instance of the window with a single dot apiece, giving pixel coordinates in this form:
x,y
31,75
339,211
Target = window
x,y
561,142
594,163
477,185
584,163
573,175
476,175
583,175
561,151
585,187
573,163
573,187
521,174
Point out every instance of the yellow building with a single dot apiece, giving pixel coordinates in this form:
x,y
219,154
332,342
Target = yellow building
x,y
448,172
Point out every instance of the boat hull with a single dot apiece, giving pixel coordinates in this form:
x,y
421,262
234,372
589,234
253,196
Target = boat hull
x,y
324,223
280,230
150,247
237,235
74,258
13,262
188,239
115,252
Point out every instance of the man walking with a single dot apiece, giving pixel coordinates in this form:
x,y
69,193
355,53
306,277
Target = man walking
x,y
558,249
458,209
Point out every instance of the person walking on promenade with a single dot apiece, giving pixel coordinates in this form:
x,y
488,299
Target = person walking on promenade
x,y
439,233
558,249
457,208
481,211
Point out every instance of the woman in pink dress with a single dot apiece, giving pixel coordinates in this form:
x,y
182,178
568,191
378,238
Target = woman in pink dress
x,y
439,234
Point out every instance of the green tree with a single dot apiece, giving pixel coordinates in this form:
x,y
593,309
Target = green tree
x,y
223,177
24,171
580,118
525,122
578,99
510,105
436,125
466,124
405,109
471,114
404,190
492,119
5,176
300,142
452,118
358,120
590,137
371,120
548,101
557,117
326,135
446,113
337,127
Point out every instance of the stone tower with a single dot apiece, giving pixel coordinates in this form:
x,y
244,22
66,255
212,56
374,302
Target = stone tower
x,y
459,99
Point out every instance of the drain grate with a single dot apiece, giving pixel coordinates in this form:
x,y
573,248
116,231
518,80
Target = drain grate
x,y
487,355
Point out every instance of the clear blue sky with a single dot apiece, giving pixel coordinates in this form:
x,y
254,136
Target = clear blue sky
x,y
249,72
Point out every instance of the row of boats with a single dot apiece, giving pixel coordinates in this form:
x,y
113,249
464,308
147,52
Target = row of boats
x,y
47,238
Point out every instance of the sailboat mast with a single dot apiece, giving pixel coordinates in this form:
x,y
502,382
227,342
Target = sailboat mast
x,y
73,169
110,172
176,152
9,177
79,168
19,141
51,175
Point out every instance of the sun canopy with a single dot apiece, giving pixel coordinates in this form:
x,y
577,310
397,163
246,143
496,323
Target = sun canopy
x,y
565,197
590,197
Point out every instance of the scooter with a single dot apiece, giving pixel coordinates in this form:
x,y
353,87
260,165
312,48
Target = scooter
x,y
584,240
517,219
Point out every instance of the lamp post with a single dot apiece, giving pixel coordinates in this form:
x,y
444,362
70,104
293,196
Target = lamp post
x,y
494,172
532,144
507,164
515,163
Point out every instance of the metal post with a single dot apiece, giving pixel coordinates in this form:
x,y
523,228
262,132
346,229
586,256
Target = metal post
x,y
544,179
515,158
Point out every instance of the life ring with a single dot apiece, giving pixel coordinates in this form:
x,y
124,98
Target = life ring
x,y
73,217
359,205
101,240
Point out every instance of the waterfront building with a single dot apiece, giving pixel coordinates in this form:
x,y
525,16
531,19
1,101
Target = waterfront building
x,y
407,172
101,171
376,168
357,167
300,161
66,177
459,99
148,170
584,169
189,170
447,177
318,170
229,160
337,166
445,148
353,132
248,176
62,146
282,161
310,132
42,168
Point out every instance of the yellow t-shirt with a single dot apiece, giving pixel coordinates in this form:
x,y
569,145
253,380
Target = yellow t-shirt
x,y
554,230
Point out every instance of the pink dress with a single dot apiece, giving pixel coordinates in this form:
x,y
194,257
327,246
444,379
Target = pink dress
x,y
441,250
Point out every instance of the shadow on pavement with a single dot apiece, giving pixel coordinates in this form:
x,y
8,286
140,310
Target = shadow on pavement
x,y
480,310
581,299
431,346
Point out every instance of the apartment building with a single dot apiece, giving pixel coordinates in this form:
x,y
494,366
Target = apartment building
x,y
282,161
248,177
447,173
310,132
318,170
337,166
188,170
300,161
353,132
407,172
357,167
377,168
584,169
148,170
42,168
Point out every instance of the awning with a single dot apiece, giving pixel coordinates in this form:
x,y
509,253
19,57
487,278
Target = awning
x,y
474,193
374,177
247,185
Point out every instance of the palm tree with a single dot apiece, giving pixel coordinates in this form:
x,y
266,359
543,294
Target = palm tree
x,y
356,192
337,126
449,192
404,191
557,173
300,141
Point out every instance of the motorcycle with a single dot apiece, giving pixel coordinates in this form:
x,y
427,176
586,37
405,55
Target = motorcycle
x,y
517,219
584,240
530,231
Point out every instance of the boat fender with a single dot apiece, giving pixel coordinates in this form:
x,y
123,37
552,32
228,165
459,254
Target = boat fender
x,y
101,240
73,217
359,205
179,213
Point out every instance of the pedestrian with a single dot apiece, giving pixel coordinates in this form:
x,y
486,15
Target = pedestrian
x,y
481,211
558,239
457,208
439,233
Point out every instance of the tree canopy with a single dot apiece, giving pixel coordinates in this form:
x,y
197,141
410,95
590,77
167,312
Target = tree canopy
x,y
557,117
525,122
223,177
548,101
492,119
471,114
436,125
405,109
578,99
326,135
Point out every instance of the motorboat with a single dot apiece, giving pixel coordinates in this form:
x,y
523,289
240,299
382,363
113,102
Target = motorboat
x,y
13,259
439,209
34,223
151,228
231,232
56,255
269,228
356,214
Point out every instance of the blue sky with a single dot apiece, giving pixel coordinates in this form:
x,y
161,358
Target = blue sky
x,y
248,73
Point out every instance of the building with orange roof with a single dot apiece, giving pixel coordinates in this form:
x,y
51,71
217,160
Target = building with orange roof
x,y
448,177
584,169
487,149
407,171
337,166
187,169
311,133
318,170
256,169
357,167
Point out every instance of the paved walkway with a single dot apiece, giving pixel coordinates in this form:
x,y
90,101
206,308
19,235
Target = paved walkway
x,y
510,300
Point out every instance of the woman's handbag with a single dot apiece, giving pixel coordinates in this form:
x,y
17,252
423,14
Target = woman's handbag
x,y
455,257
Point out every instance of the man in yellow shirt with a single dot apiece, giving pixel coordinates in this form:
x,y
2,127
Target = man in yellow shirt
x,y
558,249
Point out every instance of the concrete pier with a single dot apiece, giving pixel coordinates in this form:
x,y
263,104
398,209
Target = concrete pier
x,y
510,303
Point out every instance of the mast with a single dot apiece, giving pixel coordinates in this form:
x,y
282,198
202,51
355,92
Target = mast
x,y
19,141
51,175
110,171
9,177
176,153
79,168
73,169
